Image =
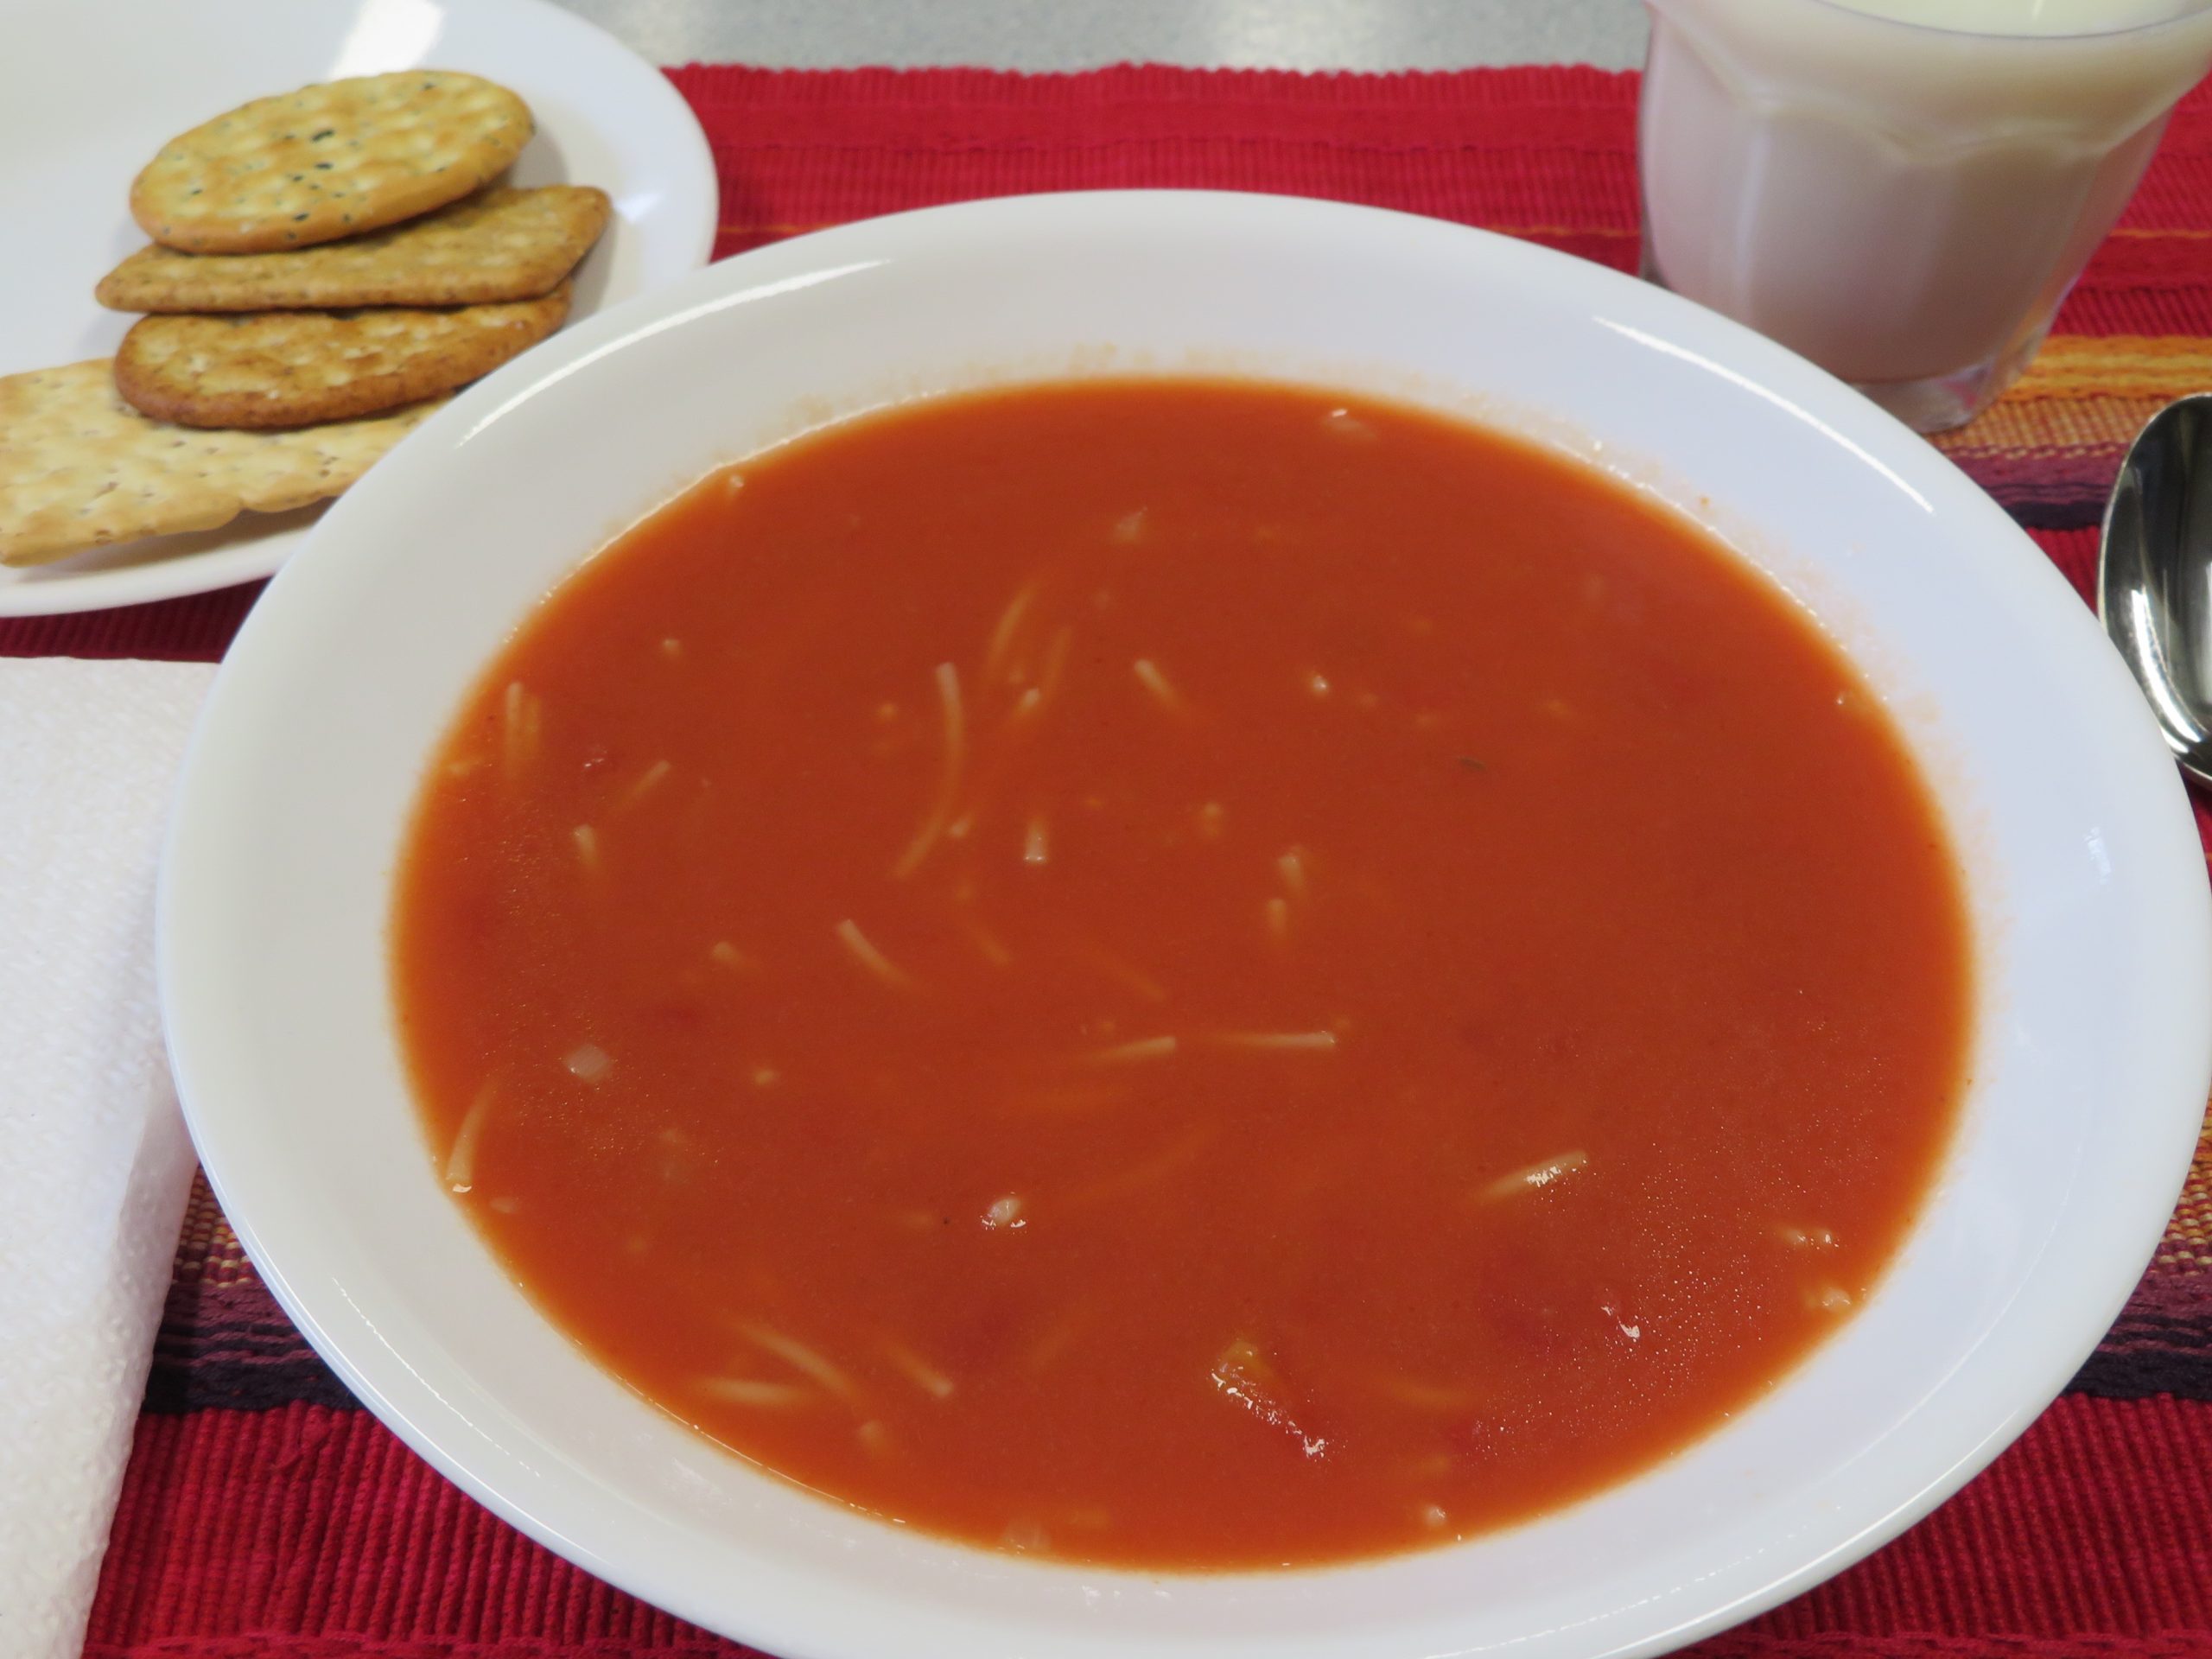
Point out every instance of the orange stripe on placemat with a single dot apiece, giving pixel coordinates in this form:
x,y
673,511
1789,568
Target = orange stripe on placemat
x,y
2025,424
2085,393
207,1251
2187,1247
2116,366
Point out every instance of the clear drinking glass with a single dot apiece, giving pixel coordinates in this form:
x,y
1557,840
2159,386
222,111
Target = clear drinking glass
x,y
1902,190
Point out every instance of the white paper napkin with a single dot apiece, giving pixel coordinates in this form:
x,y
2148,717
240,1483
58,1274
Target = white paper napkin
x,y
94,1164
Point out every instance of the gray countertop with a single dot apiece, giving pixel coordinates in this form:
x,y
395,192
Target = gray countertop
x,y
1037,34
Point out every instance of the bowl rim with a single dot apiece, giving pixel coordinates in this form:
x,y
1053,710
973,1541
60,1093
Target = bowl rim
x,y
406,1402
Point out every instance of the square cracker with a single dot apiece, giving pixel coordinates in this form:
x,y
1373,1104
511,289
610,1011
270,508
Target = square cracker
x,y
79,468
330,160
500,243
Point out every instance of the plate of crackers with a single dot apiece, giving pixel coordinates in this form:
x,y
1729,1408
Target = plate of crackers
x,y
254,244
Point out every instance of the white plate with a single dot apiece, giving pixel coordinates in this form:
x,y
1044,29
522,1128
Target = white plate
x,y
2085,879
89,91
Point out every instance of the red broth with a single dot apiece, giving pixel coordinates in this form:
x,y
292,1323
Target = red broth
x,y
1183,975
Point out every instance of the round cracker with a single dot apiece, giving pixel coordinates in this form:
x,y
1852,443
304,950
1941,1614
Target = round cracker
x,y
330,160
298,368
500,243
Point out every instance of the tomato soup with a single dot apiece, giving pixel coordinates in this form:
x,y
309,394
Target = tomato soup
x,y
1182,974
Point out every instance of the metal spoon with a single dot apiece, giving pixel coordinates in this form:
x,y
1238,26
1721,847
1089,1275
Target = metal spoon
x,y
2154,574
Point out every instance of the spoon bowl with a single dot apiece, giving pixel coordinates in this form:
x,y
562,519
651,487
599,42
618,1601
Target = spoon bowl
x,y
2154,574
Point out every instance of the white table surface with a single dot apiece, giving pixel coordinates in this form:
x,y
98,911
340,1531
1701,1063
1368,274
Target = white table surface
x,y
1043,34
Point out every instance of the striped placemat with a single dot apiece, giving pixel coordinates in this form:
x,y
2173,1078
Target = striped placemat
x,y
265,1514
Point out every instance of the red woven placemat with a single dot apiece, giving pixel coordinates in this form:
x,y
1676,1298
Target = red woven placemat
x,y
265,1514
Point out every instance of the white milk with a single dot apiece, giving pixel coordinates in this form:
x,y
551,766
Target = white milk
x,y
1903,190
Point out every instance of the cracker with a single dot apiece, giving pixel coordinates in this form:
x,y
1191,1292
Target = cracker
x,y
79,468
294,368
500,243
330,160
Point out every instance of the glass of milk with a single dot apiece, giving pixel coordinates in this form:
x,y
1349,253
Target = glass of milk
x,y
1902,190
